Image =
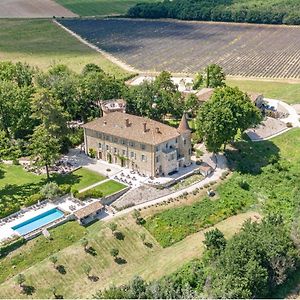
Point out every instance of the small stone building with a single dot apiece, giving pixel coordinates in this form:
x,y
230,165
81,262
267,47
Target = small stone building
x,y
89,213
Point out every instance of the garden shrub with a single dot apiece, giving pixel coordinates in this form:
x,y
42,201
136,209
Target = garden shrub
x,y
33,199
92,193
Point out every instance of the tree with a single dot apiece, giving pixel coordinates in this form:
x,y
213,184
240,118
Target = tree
x,y
112,227
84,243
192,104
114,253
88,68
219,119
50,190
20,280
54,260
143,237
44,148
50,113
87,269
214,76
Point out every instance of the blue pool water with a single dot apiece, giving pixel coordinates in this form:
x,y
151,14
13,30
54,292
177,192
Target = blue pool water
x,y
38,221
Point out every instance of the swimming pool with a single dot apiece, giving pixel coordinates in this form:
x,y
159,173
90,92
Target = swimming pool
x,y
38,221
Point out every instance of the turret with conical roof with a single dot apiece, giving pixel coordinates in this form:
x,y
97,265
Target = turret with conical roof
x,y
183,125
184,143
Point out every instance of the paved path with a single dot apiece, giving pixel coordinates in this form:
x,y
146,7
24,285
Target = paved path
x,y
220,168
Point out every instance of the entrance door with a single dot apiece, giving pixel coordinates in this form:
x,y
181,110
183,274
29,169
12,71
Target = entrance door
x,y
100,155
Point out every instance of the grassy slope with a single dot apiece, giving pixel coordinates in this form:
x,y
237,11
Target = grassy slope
x,y
264,186
99,7
148,262
41,43
289,92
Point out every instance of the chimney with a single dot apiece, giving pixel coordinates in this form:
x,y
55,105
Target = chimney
x,y
127,123
157,130
145,127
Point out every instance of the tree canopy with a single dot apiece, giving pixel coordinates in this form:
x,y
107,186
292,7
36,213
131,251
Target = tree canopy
x,y
219,119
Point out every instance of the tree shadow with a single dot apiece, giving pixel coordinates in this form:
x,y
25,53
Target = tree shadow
x,y
120,261
119,235
250,157
28,290
59,297
93,278
2,173
61,269
149,245
92,251
69,178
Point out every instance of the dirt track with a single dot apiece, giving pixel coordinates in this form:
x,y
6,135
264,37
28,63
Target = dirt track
x,y
32,9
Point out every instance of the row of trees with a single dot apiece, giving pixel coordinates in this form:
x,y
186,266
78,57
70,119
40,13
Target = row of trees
x,y
250,265
253,11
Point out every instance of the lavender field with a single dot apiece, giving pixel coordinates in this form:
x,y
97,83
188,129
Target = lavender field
x,y
262,51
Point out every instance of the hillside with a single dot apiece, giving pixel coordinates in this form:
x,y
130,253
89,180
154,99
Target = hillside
x,y
249,11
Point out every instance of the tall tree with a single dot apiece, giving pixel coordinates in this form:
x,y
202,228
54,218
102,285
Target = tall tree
x,y
213,76
50,113
219,119
45,148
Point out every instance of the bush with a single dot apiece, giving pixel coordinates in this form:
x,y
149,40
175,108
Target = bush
x,y
92,153
289,125
50,190
33,199
65,189
92,193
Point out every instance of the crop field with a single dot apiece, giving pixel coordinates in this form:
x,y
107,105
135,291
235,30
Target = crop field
x,y
33,9
42,43
259,51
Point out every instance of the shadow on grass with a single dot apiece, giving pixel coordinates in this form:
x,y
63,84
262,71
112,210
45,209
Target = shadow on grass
x,y
250,157
61,269
149,245
93,278
92,251
28,290
119,235
2,173
120,261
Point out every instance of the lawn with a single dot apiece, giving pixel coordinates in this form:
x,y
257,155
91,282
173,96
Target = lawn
x,y
84,178
99,7
42,43
288,92
16,185
109,187
258,181
150,262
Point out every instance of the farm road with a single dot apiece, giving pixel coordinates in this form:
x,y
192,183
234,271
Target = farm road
x,y
260,51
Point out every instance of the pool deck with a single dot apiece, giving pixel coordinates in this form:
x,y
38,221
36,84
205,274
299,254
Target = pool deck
x,y
6,230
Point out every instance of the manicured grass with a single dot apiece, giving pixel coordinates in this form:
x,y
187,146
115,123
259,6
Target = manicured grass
x,y
40,248
109,187
288,92
85,178
149,262
16,185
99,7
42,43
257,179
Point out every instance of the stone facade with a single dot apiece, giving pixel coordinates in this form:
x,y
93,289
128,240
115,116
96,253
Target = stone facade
x,y
140,144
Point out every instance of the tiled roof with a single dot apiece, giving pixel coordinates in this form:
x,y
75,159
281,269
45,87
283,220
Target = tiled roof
x,y
133,128
184,125
205,94
88,210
